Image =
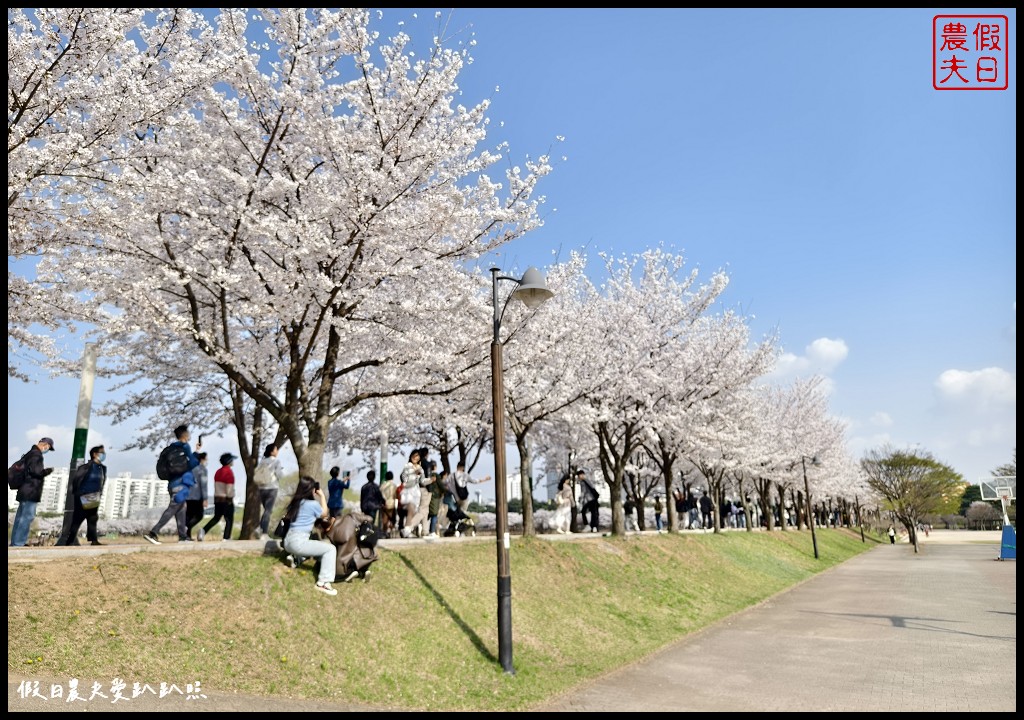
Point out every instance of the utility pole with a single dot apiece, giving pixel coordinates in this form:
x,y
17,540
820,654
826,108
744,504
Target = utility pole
x,y
81,435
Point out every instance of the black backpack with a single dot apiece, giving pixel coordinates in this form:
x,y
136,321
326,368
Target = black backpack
x,y
16,474
173,462
366,535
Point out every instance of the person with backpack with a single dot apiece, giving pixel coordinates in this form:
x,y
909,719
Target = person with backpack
x,y
30,489
223,498
175,465
267,477
87,487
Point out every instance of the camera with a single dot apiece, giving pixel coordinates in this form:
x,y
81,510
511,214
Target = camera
x,y
316,485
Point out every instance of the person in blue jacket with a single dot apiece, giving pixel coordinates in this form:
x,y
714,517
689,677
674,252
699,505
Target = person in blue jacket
x,y
336,491
178,488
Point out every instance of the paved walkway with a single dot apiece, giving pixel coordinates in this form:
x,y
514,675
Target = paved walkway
x,y
886,631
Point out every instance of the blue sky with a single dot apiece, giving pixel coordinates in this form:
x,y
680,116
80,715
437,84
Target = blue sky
x,y
866,216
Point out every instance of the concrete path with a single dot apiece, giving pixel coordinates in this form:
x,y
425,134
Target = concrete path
x,y
886,631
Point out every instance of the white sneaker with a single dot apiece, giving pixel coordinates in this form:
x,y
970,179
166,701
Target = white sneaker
x,y
290,560
200,535
351,576
406,533
150,537
326,588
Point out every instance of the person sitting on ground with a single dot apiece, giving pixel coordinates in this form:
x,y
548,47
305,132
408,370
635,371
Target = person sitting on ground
x,y
306,507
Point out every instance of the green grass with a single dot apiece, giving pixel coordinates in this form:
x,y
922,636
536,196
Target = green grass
x,y
421,634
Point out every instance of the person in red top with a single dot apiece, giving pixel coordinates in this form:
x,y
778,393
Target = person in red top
x,y
223,498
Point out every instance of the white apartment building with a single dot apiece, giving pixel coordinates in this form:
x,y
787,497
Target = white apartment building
x,y
123,496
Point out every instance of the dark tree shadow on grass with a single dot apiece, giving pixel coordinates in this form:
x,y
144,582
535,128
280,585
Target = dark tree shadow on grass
x,y
456,618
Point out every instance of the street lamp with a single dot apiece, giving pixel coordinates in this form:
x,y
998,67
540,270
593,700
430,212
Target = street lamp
x,y
807,491
533,291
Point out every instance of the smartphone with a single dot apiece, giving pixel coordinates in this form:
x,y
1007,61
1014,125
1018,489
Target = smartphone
x,y
347,474
200,443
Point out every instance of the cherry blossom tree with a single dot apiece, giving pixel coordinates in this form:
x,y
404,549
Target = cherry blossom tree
x,y
647,309
543,375
81,80
303,221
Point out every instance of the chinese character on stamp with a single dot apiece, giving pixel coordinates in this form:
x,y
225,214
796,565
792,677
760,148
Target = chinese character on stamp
x,y
970,52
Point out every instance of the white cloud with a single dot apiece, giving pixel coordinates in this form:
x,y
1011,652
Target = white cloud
x,y
826,354
979,390
821,357
881,419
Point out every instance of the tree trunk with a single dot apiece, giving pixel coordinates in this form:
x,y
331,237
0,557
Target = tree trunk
x,y
526,482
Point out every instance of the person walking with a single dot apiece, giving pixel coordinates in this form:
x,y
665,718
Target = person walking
x,y
564,501
178,488
461,481
198,495
306,507
892,535
223,498
437,490
658,508
388,491
87,487
588,500
412,478
267,477
31,490
706,508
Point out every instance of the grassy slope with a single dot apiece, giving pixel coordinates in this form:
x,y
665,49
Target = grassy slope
x,y
421,634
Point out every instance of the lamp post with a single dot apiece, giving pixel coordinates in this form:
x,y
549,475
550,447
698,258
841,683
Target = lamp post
x,y
533,291
807,492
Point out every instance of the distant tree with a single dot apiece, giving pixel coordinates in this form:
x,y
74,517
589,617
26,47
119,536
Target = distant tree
x,y
1007,470
912,485
953,522
980,514
972,494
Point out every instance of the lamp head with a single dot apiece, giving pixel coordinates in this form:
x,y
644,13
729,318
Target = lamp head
x,y
532,290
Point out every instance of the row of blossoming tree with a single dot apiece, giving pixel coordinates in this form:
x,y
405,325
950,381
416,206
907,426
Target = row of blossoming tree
x,y
275,222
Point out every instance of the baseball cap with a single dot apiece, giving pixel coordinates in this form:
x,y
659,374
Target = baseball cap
x,y
49,441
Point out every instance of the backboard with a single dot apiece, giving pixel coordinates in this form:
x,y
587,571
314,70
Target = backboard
x,y
999,488
1003,489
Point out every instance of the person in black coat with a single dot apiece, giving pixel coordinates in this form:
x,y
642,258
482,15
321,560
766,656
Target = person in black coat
x,y
371,500
31,490
87,485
